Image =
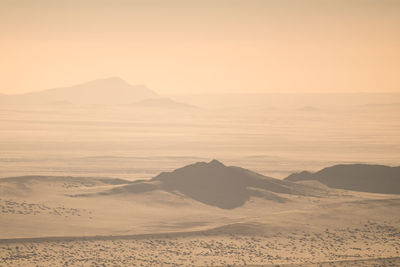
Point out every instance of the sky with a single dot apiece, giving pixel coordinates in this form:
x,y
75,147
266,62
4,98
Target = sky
x,y
217,46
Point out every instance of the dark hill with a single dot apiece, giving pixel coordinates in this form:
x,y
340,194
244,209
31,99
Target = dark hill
x,y
357,177
217,185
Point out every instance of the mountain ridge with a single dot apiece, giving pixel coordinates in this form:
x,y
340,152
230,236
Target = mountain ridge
x,y
113,90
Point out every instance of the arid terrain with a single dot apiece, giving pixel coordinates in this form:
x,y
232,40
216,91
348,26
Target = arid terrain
x,y
74,221
294,184
200,133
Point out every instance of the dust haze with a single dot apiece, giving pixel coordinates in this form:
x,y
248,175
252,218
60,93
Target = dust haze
x,y
197,134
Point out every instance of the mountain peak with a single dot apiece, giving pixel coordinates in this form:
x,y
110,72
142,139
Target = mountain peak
x,y
215,162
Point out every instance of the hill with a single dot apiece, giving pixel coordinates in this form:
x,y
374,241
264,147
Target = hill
x,y
215,184
357,177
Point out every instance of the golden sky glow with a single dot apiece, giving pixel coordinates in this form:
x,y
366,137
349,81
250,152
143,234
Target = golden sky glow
x,y
202,46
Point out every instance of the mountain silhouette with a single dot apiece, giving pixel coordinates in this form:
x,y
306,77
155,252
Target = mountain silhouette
x,y
357,177
215,184
109,91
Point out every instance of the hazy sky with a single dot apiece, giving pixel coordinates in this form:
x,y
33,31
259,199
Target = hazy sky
x,y
202,46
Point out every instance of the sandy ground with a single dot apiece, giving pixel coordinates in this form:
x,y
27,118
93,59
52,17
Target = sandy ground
x,y
344,246
43,224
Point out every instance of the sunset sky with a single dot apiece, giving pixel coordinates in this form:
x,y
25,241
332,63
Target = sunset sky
x,y
202,46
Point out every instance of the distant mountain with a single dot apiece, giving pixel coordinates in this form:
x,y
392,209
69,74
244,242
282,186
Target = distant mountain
x,y
162,102
217,185
357,177
108,91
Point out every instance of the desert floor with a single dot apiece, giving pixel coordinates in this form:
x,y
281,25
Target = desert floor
x,y
371,244
43,223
